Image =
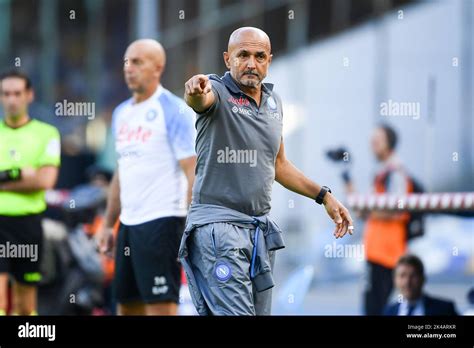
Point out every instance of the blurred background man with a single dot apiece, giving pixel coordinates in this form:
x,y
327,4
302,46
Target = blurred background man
x,y
29,161
385,234
151,190
409,279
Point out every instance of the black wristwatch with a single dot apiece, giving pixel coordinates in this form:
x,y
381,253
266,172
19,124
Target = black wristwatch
x,y
320,197
10,175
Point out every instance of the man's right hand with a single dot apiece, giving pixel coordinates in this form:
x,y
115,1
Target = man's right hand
x,y
105,240
197,85
198,93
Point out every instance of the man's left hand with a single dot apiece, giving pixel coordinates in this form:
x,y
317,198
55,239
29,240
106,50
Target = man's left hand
x,y
339,214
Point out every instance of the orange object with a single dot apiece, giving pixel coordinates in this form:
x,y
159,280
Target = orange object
x,y
108,264
385,239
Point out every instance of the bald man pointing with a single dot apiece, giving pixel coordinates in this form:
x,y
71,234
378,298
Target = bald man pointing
x,y
154,139
229,243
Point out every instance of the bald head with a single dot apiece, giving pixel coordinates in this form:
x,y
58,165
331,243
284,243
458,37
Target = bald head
x,y
248,36
248,57
149,48
144,62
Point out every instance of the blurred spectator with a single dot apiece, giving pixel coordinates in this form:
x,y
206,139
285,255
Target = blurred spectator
x,y
29,162
470,299
385,234
409,279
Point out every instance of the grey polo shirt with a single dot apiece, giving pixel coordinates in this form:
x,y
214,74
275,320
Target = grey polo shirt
x,y
237,144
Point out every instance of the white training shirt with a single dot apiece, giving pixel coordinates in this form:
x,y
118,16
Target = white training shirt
x,y
150,138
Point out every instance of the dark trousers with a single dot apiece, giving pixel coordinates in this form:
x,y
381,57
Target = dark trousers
x,y
378,288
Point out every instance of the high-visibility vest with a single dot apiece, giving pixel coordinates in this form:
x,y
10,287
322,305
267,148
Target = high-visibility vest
x,y
385,240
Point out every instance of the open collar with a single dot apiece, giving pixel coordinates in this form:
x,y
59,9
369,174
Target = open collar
x,y
234,87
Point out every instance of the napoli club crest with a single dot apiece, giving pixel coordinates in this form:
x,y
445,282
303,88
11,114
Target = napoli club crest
x,y
223,271
271,103
151,115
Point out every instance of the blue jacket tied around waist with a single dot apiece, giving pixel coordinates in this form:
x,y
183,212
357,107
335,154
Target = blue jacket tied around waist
x,y
268,237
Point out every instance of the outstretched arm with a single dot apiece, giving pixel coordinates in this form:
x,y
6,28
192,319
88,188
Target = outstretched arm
x,y
294,180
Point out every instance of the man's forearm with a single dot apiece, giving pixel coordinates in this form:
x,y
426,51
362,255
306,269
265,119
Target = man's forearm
x,y
190,194
112,211
32,180
188,165
23,186
294,180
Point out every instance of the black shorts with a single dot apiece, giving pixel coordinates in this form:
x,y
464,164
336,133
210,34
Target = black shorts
x,y
146,261
21,242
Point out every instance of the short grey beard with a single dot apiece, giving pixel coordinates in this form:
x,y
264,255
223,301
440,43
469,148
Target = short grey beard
x,y
250,84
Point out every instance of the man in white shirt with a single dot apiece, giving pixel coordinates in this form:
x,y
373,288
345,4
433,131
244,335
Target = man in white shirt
x,y
151,190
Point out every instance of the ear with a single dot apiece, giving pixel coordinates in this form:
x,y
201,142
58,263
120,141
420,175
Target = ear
x,y
270,59
227,59
30,96
160,69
